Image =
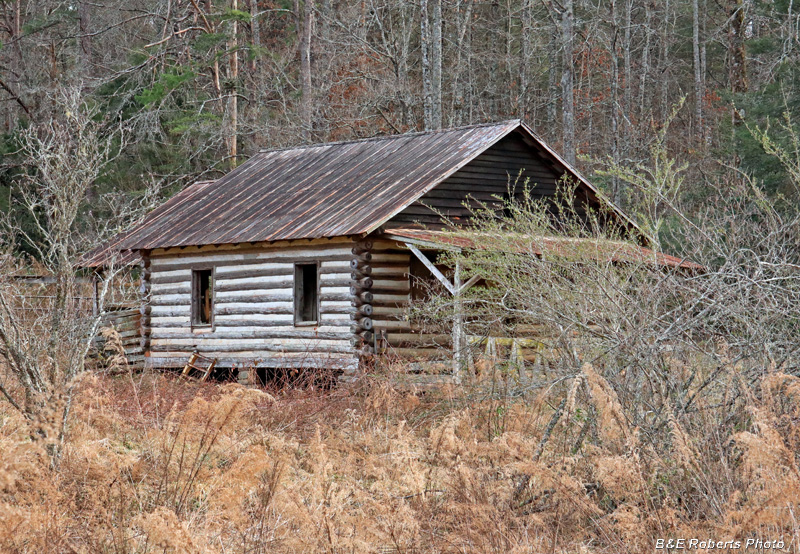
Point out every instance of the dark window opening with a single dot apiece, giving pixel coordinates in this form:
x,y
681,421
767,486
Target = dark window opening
x,y
424,284
202,296
306,296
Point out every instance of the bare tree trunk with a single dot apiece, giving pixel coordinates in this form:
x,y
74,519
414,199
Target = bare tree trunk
x,y
698,73
627,79
84,24
737,60
737,66
645,66
567,87
403,84
525,57
255,30
552,82
493,86
215,71
663,75
427,77
305,67
325,21
233,98
615,135
431,46
703,66
511,103
14,64
459,98
469,85
436,55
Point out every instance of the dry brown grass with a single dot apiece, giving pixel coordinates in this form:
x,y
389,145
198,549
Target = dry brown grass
x,y
156,464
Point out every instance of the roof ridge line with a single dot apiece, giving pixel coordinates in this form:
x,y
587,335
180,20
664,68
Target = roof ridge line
x,y
390,137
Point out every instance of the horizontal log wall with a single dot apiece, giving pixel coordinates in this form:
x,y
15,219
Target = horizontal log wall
x,y
253,313
420,352
127,323
392,300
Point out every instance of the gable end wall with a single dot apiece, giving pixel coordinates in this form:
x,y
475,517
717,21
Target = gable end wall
x,y
483,180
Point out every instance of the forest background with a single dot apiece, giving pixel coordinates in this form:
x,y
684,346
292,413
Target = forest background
x,y
664,405
200,85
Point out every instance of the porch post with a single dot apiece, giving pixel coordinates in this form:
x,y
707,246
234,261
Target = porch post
x,y
458,323
95,293
456,288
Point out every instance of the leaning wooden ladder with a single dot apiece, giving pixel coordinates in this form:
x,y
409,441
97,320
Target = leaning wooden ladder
x,y
194,370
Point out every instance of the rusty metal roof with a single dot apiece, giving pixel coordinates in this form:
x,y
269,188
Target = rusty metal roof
x,y
325,190
109,253
597,249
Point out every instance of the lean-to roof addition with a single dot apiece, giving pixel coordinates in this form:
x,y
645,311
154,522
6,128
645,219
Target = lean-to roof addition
x,y
325,190
600,250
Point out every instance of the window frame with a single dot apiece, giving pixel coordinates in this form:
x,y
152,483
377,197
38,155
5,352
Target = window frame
x,y
298,291
195,297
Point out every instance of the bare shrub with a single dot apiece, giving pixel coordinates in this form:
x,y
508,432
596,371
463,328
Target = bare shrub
x,y
44,338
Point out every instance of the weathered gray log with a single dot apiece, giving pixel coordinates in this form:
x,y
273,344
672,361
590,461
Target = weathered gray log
x,y
267,333
184,287
254,347
326,361
358,290
360,343
253,270
363,284
359,298
422,353
364,311
365,323
361,247
364,257
253,309
361,272
419,339
279,295
236,285
275,253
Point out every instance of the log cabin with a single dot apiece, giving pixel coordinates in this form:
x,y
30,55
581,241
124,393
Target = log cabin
x,y
306,257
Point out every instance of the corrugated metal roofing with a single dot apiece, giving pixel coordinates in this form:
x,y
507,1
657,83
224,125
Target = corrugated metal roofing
x,y
110,253
579,248
326,190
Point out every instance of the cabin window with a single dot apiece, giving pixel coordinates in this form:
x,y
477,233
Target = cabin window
x,y
202,296
306,294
